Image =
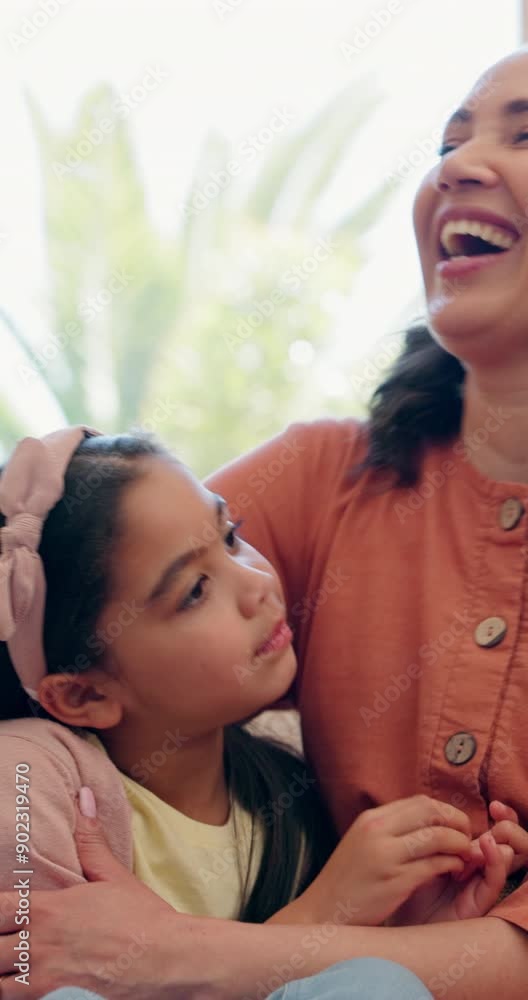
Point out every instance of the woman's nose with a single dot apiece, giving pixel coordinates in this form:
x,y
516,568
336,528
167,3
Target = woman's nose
x,y
255,588
465,166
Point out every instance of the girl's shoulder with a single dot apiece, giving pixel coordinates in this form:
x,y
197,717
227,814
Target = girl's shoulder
x,y
52,762
50,750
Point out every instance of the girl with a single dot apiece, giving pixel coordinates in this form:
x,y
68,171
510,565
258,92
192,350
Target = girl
x,y
162,630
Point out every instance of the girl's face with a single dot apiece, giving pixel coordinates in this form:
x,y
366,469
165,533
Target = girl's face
x,y
192,609
478,306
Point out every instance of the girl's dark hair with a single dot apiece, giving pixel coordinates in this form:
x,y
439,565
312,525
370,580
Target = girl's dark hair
x,y
77,548
419,403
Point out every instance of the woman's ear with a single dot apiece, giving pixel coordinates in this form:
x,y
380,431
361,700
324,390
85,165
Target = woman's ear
x,y
82,699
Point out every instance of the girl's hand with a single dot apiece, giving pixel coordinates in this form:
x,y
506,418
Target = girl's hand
x,y
476,889
383,858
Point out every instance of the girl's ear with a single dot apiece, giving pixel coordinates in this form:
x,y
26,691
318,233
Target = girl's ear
x,y
83,699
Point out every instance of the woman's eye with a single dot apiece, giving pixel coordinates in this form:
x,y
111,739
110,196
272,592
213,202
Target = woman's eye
x,y
195,595
521,136
231,539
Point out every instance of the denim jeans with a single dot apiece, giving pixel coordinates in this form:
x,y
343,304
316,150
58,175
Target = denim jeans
x,y
357,979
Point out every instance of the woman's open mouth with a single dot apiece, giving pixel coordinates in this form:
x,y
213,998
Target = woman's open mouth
x,y
469,244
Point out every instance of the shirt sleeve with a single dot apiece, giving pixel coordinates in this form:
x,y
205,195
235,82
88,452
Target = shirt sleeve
x,y
50,791
281,491
266,490
277,492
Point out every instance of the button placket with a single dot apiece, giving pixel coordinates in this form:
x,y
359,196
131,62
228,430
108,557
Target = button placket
x,y
479,668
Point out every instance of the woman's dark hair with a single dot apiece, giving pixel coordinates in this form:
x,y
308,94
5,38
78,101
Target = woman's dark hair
x,y
78,543
418,403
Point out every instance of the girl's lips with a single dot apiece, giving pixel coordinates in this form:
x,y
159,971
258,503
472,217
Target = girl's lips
x,y
281,637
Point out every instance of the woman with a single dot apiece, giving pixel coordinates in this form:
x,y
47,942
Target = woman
x,y
406,586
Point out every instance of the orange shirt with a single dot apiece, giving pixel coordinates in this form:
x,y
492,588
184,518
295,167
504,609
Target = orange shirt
x,y
409,608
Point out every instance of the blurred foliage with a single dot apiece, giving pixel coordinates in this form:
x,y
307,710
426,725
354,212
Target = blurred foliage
x,y
210,338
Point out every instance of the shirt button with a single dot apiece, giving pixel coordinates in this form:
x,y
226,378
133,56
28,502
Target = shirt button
x,y
510,513
490,632
460,748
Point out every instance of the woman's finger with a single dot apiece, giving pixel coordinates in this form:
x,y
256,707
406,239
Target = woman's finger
x,y
491,883
499,810
512,835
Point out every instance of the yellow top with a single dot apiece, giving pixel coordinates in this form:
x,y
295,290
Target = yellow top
x,y
198,868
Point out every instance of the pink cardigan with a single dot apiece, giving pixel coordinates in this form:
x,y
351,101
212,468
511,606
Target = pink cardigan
x,y
60,763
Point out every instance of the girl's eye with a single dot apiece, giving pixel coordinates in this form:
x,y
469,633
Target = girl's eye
x,y
195,595
521,136
445,148
231,538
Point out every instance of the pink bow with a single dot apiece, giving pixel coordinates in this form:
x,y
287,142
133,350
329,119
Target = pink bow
x,y
31,484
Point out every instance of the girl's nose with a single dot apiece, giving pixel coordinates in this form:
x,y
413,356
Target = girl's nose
x,y
255,588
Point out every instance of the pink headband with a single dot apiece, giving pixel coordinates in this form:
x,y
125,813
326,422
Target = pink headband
x,y
31,484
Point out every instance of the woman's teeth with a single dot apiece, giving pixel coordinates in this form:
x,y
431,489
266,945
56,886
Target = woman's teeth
x,y
452,236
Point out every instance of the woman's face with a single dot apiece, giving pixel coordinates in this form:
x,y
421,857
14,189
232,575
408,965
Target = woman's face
x,y
201,605
475,200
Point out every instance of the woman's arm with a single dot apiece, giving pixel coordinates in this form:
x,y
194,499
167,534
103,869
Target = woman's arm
x,y
187,958
79,935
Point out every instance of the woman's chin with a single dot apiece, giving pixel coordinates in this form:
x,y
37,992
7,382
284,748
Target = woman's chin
x,y
463,328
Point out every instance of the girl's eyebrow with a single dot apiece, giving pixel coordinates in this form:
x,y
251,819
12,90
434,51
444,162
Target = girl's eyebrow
x,y
177,565
519,106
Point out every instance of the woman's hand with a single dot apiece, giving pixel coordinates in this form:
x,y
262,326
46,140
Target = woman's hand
x,y
476,897
112,936
382,859
506,831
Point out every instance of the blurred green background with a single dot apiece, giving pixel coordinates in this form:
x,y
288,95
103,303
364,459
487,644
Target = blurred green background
x,y
208,339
